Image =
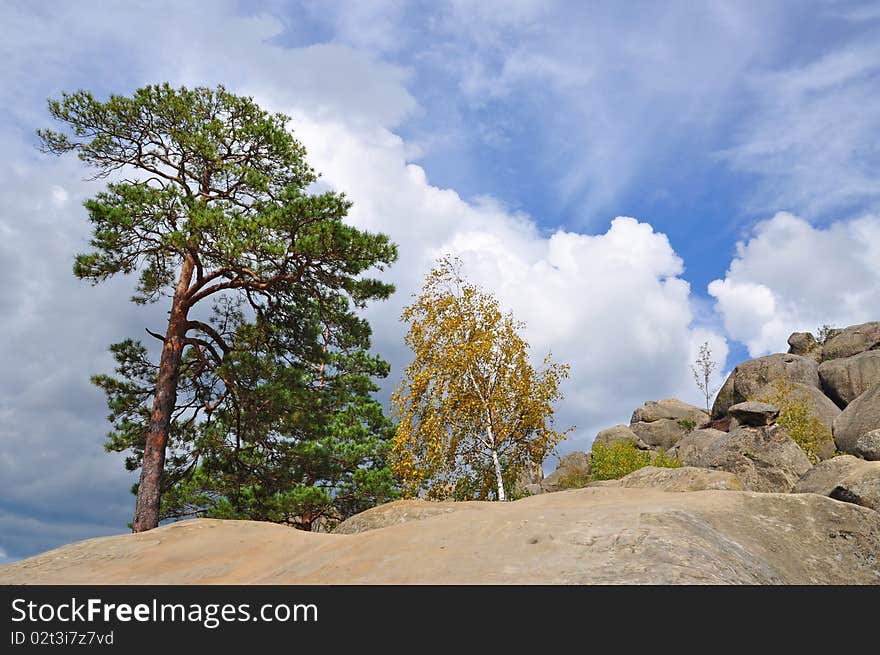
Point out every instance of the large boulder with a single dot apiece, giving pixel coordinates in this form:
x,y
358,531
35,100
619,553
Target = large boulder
x,y
844,380
845,478
803,343
661,423
868,445
531,474
822,478
859,418
669,408
798,397
686,478
692,447
765,458
749,378
610,436
818,404
573,470
754,414
852,341
662,434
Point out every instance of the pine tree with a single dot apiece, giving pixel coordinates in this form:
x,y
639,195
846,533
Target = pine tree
x,y
211,206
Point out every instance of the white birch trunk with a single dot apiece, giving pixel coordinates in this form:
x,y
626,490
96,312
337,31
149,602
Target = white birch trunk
x,y
499,480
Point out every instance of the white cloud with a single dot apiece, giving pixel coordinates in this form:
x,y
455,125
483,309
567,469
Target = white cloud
x,y
613,305
812,137
791,276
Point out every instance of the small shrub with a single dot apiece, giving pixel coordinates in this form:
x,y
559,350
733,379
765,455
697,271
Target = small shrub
x,y
622,458
686,424
663,460
797,418
825,333
517,493
574,479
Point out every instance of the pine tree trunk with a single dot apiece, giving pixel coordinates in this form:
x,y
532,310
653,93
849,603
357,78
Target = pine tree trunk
x,y
146,514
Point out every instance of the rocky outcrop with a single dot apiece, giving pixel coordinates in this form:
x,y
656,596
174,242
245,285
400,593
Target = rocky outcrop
x,y
661,423
396,513
750,378
610,436
686,478
818,403
822,478
754,414
765,459
692,448
662,434
669,408
586,536
852,341
803,343
859,418
530,478
868,445
573,470
845,478
844,380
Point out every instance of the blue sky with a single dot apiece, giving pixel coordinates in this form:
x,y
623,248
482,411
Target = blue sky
x,y
631,179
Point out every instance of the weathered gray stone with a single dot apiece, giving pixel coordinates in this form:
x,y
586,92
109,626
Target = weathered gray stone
x,y
868,445
802,343
822,478
852,340
532,474
751,377
845,478
860,417
765,458
844,380
661,434
754,414
818,405
669,408
691,448
612,435
686,478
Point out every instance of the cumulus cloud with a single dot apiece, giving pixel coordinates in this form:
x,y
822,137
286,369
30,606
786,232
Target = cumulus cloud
x,y
613,304
792,276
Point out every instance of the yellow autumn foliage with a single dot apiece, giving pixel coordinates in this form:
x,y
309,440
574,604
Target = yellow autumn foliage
x,y
472,412
798,419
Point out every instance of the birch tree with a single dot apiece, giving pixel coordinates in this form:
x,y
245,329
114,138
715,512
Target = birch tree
x,y
703,368
473,412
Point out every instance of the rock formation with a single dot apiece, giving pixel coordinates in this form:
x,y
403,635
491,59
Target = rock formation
x,y
750,378
585,536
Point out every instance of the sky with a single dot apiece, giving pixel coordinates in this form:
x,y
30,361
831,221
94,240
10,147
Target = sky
x,y
631,180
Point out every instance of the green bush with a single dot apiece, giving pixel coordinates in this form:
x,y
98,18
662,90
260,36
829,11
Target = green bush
x,y
574,479
686,424
798,419
622,458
